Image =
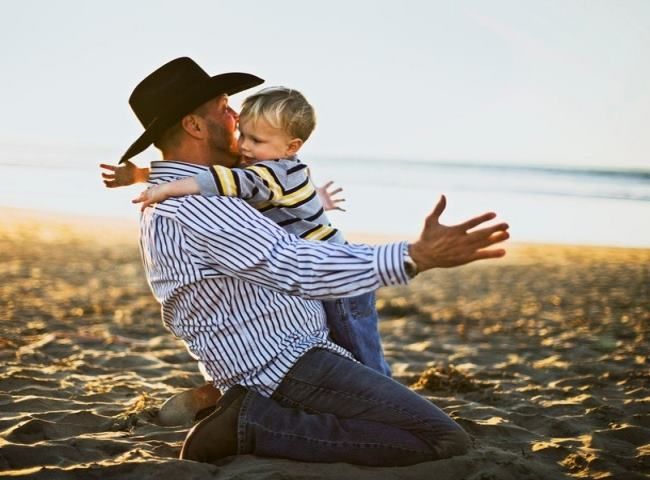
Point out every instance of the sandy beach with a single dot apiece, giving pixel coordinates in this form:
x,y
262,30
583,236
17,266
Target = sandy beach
x,y
543,357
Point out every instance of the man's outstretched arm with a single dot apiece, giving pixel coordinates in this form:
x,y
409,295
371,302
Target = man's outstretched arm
x,y
233,239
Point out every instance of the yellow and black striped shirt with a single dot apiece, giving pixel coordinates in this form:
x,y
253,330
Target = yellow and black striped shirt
x,y
281,190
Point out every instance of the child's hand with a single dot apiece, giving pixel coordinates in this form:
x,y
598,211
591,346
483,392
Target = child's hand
x,y
151,195
158,193
123,175
327,197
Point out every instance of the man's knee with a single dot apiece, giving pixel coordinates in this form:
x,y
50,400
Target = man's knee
x,y
452,444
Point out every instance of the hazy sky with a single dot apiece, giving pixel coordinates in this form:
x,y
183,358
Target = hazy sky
x,y
556,81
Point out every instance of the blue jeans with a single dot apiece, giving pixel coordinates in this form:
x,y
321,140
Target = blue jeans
x,y
331,409
353,325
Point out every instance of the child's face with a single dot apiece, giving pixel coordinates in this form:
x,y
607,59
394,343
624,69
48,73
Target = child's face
x,y
258,141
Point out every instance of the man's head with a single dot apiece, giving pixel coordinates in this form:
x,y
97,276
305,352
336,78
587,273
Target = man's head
x,y
180,95
274,123
209,129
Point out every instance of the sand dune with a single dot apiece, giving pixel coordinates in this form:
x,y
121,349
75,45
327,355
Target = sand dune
x,y
542,357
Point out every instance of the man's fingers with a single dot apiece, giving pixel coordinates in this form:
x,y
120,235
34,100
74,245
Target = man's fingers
x,y
108,167
497,237
487,254
327,185
489,240
476,221
484,233
337,200
108,176
335,191
437,210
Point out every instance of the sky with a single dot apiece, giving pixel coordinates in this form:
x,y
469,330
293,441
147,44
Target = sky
x,y
560,82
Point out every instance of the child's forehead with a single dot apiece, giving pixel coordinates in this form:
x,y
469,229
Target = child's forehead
x,y
257,123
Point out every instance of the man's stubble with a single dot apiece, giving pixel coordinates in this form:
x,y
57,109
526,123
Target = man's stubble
x,y
223,144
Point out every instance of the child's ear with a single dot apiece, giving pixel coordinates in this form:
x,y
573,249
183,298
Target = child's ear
x,y
293,146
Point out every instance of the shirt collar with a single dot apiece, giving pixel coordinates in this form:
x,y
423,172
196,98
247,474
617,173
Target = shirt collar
x,y
168,170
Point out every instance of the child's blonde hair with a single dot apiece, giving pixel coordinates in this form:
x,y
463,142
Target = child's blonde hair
x,y
282,108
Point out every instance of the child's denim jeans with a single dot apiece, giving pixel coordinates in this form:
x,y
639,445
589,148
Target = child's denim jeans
x,y
353,325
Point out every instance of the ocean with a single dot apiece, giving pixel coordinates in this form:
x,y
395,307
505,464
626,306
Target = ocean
x,y
541,204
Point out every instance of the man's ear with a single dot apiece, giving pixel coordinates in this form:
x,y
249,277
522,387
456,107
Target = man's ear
x,y
193,125
293,146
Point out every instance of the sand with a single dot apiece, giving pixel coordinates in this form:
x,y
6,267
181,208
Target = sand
x,y
542,357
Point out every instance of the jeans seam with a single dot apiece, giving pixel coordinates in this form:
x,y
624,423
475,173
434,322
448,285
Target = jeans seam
x,y
338,444
242,439
343,322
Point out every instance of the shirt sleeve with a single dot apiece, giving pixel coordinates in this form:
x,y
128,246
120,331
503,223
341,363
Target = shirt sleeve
x,y
227,236
255,184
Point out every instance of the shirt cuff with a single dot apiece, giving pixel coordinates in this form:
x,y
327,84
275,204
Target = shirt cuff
x,y
389,263
207,185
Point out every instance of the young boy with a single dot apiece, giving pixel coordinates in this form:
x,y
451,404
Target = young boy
x,y
273,125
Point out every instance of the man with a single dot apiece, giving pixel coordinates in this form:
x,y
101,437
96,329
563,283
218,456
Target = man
x,y
243,295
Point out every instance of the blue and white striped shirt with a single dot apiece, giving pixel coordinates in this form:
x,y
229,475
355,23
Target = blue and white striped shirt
x,y
240,291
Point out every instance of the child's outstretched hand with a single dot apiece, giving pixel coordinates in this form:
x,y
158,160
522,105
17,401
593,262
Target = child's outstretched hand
x,y
327,197
123,175
153,194
158,193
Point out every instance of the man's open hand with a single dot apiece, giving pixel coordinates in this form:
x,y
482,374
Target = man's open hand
x,y
442,246
123,175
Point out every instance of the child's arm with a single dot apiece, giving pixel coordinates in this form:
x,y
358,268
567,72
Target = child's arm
x,y
255,184
246,184
158,193
123,175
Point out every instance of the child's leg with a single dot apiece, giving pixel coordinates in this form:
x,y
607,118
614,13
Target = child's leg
x,y
353,325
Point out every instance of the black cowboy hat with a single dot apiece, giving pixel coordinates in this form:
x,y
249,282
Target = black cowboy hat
x,y
173,91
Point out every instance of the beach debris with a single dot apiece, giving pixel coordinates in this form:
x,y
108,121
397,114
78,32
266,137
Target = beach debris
x,y
34,351
447,378
141,408
553,361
